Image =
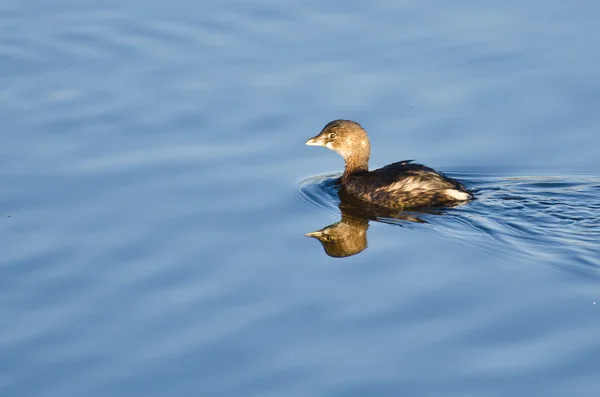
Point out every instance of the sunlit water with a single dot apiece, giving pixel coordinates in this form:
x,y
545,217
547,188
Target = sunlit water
x,y
155,192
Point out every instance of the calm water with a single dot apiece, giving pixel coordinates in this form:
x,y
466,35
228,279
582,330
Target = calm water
x,y
155,192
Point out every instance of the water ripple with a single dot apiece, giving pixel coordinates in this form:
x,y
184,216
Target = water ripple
x,y
538,215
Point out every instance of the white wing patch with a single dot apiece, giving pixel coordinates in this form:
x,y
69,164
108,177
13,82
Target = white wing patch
x,y
456,194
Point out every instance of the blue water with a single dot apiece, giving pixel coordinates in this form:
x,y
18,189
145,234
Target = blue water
x,y
155,191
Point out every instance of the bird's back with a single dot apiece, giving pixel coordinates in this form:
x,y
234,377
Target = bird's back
x,y
406,185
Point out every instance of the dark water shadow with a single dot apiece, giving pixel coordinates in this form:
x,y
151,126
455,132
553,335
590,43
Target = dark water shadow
x,y
552,218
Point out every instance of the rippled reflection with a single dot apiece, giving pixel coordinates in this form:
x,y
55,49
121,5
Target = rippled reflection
x,y
524,215
349,236
344,238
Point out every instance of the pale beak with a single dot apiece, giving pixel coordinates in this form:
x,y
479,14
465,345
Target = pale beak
x,y
316,234
316,141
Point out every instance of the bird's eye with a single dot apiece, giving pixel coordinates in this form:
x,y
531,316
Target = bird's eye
x,y
328,238
332,135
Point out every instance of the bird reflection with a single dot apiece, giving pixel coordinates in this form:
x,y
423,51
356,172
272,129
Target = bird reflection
x,y
349,236
344,238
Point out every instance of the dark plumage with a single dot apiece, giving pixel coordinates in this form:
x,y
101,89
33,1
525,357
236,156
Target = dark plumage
x,y
399,185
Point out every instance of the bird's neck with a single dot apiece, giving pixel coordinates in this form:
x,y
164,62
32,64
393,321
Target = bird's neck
x,y
355,164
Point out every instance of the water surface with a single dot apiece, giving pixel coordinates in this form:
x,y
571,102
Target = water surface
x,y
155,192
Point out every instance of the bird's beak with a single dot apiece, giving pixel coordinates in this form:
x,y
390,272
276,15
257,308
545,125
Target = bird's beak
x,y
316,234
316,141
